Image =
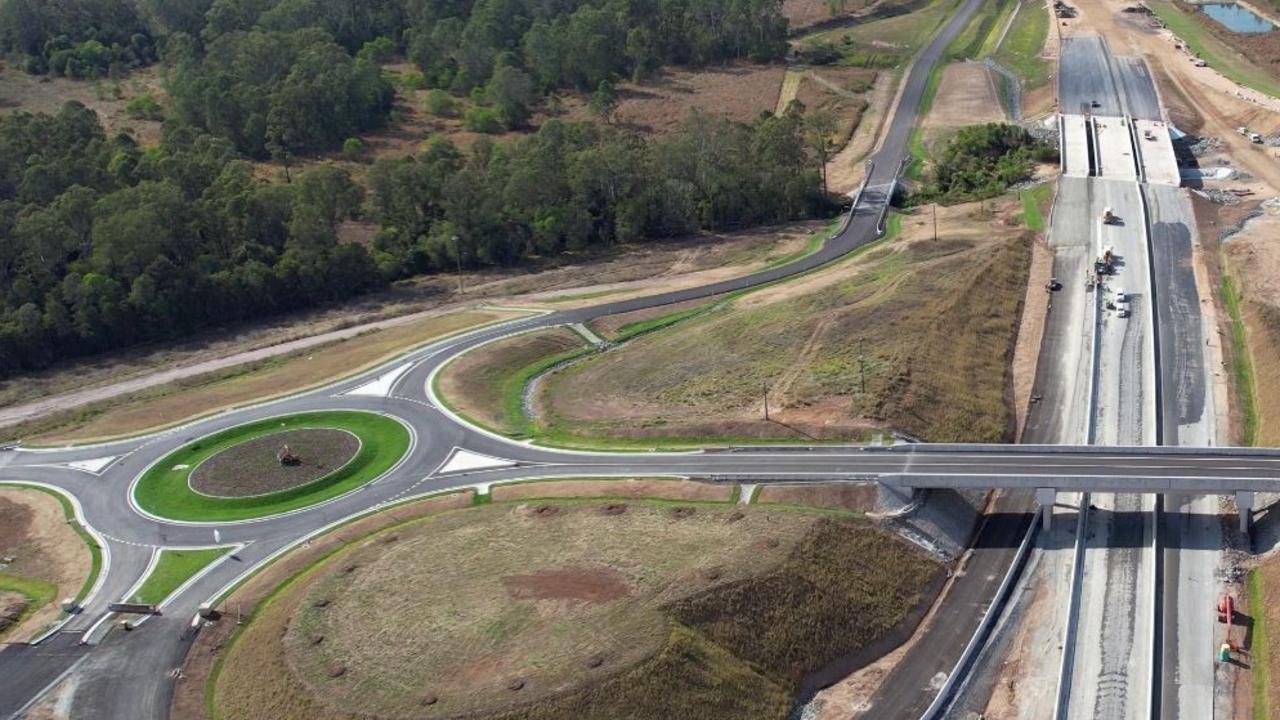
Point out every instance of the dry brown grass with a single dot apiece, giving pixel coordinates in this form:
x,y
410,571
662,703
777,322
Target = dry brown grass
x,y
46,94
1269,616
804,13
478,384
1253,259
243,603
203,395
622,487
737,92
932,324
838,496
35,533
470,636
842,91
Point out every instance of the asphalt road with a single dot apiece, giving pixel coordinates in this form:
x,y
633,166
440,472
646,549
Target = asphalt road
x,y
125,675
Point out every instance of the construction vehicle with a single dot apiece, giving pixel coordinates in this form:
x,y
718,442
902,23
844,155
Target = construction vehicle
x,y
1199,63
1109,217
1255,138
287,458
1106,262
1226,614
1147,134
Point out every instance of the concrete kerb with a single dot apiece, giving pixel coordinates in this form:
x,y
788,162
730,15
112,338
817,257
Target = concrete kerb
x,y
137,509
960,673
426,351
359,447
1063,695
103,547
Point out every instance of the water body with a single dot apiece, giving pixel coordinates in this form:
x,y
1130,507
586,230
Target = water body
x,y
1237,18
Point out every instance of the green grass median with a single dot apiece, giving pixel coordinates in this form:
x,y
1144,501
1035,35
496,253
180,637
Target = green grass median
x,y
165,491
174,568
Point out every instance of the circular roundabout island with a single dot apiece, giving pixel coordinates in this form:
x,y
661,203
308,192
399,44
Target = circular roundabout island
x,y
271,466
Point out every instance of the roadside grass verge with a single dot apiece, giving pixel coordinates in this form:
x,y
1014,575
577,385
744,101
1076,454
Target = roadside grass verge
x,y
1022,46
1035,206
978,38
1243,384
173,568
487,384
1220,56
243,385
651,662
38,593
885,42
164,490
1261,647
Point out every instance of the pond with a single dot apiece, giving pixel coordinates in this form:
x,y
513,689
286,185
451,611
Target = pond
x,y
1237,18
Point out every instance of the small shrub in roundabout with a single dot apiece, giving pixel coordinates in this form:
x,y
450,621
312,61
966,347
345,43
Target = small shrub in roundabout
x,y
164,490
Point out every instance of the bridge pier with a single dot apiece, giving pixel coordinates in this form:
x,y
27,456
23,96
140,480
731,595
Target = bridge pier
x,y
1244,507
1046,497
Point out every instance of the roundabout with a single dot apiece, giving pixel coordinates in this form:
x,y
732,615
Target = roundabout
x,y
271,466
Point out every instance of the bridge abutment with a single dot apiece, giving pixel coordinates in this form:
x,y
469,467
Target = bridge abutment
x,y
1046,497
1244,507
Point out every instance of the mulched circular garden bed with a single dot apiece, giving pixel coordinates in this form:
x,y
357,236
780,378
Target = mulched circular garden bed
x,y
253,467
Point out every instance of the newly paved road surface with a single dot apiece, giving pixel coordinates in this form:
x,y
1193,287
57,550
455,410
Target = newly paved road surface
x,y
126,675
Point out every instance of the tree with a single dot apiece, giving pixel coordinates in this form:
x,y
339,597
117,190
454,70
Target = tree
x,y
604,101
820,125
510,91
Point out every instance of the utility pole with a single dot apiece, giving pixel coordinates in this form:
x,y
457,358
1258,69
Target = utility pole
x,y
457,255
935,222
765,388
862,359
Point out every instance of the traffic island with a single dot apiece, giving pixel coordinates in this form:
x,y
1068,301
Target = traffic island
x,y
271,466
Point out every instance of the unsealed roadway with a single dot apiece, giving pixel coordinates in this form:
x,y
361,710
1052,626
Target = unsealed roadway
x,y
127,675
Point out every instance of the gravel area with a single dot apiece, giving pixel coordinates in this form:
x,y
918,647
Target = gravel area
x,y
253,468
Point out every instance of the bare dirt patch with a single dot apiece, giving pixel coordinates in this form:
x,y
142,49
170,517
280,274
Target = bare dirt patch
x,y
22,92
628,488
857,498
805,13
585,585
1035,307
736,92
846,168
966,96
254,467
35,534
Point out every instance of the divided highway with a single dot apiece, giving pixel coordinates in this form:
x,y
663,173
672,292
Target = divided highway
x,y
126,675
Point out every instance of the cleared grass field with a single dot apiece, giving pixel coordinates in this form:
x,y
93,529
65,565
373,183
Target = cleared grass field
x,y
164,489
173,568
52,557
911,335
487,385
1023,44
553,611
246,384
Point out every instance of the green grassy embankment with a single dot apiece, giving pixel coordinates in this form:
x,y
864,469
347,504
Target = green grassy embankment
x,y
1035,206
1243,387
1261,647
172,569
164,490
1022,46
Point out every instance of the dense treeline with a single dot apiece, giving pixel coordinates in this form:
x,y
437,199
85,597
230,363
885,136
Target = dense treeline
x,y
104,244
277,77
76,38
983,161
276,93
